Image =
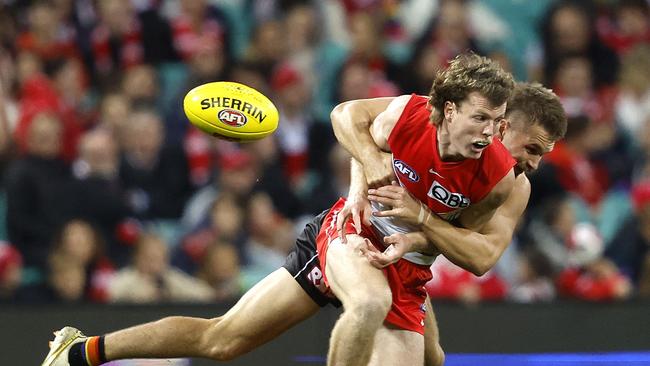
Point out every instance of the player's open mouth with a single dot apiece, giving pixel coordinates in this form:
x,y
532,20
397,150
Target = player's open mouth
x,y
479,145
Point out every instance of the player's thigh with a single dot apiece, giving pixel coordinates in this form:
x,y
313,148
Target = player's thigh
x,y
272,306
397,347
350,275
433,353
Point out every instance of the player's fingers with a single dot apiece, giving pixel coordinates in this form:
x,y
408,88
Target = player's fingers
x,y
372,248
387,191
383,200
376,260
341,218
386,213
356,220
393,238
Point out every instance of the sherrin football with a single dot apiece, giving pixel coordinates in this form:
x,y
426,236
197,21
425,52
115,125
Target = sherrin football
x,y
231,111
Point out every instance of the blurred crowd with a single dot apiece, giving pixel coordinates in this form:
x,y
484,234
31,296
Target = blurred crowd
x,y
107,194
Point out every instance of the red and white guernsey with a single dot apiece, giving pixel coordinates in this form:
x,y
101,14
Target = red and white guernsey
x,y
446,187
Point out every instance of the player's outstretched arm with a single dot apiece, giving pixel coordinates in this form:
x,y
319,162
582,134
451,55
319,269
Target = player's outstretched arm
x,y
362,127
475,251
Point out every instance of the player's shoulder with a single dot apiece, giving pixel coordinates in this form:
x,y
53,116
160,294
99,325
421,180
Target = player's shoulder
x,y
399,103
522,186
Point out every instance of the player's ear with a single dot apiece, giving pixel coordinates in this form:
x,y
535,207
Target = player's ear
x,y
448,109
502,127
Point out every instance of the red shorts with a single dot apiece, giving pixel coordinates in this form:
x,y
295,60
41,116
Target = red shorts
x,y
406,279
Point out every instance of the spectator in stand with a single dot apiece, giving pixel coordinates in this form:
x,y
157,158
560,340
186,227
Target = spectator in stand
x,y
535,278
627,26
114,111
568,167
267,46
221,270
122,39
366,52
6,141
569,30
140,86
630,248
451,282
237,175
551,224
641,169
38,195
151,279
11,267
272,178
449,33
420,71
298,129
589,275
66,282
573,82
224,223
633,102
71,85
271,236
47,35
38,94
99,194
334,183
80,244
198,23
155,177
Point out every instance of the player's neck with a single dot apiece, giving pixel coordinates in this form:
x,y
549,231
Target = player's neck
x,y
446,150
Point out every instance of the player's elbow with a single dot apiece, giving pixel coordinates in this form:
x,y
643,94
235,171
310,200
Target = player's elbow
x,y
337,115
483,263
479,268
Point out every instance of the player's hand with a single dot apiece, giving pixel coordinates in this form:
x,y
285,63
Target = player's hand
x,y
357,207
398,245
379,170
400,202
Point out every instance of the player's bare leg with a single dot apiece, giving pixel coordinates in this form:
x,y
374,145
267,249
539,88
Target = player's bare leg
x,y
397,347
271,307
433,353
274,305
366,297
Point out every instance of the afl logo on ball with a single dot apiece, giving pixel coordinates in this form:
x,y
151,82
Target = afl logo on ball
x,y
232,117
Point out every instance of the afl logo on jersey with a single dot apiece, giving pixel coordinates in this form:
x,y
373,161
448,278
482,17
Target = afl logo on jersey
x,y
406,170
449,199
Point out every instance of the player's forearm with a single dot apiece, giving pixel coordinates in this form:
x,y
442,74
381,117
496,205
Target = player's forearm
x,y
351,123
468,249
358,184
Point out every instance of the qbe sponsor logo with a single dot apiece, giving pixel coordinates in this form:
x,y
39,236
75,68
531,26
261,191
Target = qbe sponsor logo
x,y
441,194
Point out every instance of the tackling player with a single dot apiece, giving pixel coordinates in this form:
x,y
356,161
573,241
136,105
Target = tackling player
x,y
277,303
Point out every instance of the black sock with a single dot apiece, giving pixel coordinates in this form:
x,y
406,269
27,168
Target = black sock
x,y
75,355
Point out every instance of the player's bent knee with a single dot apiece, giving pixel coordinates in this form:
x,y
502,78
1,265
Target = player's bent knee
x,y
437,358
371,309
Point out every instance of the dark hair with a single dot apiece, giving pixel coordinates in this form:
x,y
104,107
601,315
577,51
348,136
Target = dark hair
x,y
540,106
467,73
